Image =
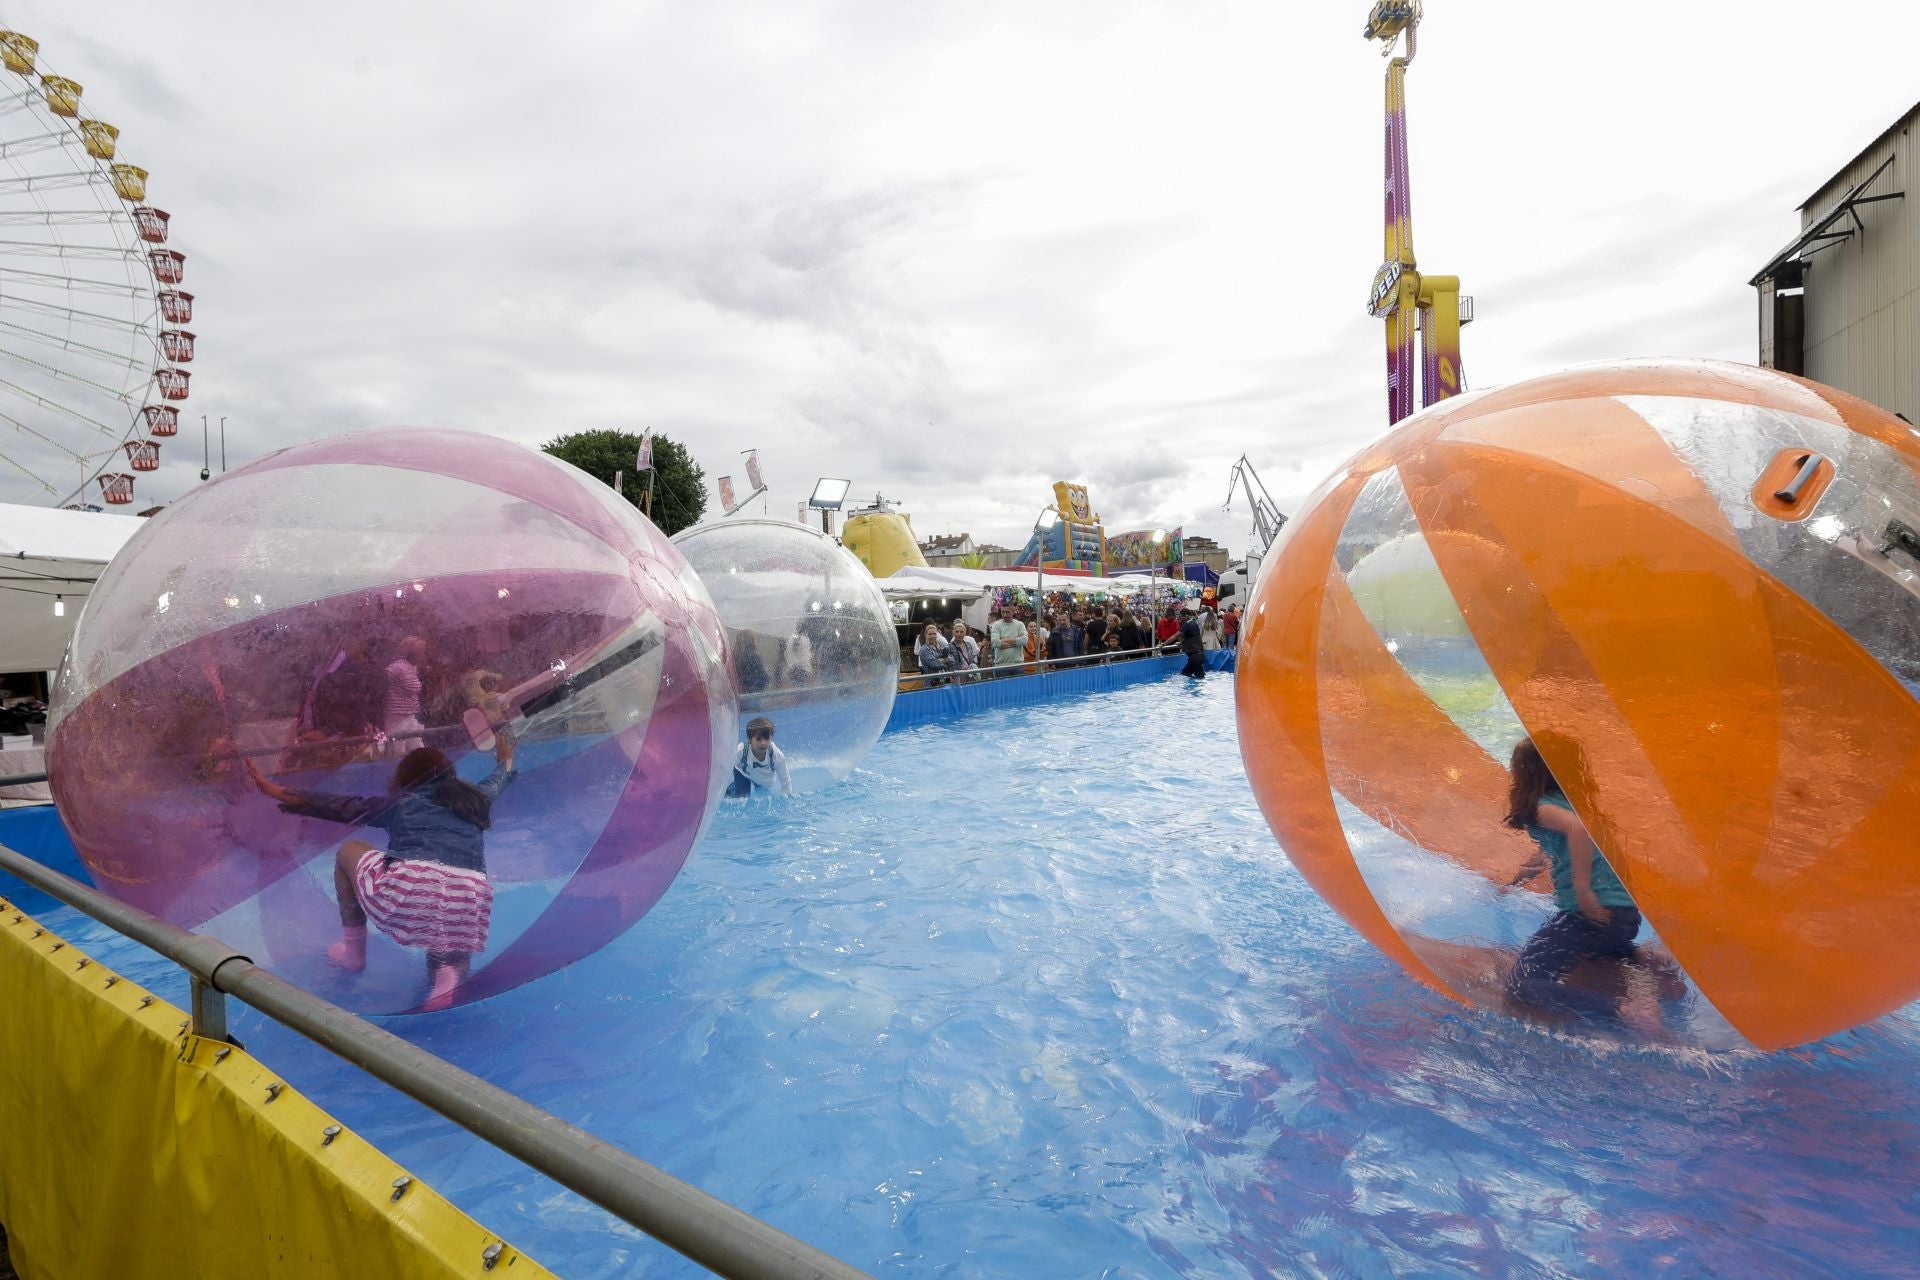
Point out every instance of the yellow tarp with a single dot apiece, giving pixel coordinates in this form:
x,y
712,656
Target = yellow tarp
x,y
130,1148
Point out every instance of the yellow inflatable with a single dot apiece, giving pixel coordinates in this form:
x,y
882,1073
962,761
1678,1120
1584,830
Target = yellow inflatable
x,y
883,541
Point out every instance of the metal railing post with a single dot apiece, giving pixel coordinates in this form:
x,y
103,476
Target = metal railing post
x,y
209,1011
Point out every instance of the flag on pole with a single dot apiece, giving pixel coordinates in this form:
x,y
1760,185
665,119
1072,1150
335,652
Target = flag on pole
x,y
753,471
644,460
726,494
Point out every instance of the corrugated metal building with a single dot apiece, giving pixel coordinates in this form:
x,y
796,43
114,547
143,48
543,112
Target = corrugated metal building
x,y
1841,303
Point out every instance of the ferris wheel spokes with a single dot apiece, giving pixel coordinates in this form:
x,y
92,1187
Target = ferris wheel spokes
x,y
93,319
118,359
91,336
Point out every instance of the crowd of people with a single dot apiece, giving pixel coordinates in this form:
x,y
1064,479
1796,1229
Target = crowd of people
x,y
1017,641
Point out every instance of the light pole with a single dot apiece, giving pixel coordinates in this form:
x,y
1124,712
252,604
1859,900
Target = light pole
x,y
1042,525
1153,622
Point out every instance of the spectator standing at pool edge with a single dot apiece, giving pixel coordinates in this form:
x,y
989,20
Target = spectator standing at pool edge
x,y
1009,638
1095,628
933,653
1167,630
966,651
403,689
1064,640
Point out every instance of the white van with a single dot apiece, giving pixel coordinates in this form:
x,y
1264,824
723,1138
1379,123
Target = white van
x,y
1237,581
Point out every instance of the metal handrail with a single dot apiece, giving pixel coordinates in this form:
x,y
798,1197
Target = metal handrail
x,y
22,779
713,1233
1040,665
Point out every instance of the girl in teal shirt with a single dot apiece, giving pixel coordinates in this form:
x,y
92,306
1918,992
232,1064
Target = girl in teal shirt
x,y
1597,918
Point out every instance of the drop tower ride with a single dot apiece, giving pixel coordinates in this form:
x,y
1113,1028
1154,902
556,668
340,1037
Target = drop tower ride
x,y
1429,306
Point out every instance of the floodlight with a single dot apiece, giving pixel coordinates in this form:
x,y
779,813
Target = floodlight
x,y
829,495
1047,520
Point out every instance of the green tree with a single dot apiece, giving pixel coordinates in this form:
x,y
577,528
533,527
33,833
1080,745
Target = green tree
x,y
679,485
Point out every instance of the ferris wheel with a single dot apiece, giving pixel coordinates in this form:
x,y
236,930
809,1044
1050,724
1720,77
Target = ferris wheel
x,y
92,335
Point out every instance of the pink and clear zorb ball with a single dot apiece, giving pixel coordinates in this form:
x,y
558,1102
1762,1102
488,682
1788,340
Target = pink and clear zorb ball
x,y
436,676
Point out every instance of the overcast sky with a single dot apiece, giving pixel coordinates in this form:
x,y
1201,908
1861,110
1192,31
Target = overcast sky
x,y
950,251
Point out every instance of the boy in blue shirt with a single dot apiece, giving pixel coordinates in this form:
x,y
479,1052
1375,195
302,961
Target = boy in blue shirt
x,y
759,764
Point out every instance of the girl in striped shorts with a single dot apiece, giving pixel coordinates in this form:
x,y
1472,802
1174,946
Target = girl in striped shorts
x,y
428,888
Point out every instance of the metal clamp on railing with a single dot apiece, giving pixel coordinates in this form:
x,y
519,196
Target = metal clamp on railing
x,y
679,1215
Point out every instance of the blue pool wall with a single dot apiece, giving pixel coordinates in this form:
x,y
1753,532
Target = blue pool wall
x,y
952,701
35,831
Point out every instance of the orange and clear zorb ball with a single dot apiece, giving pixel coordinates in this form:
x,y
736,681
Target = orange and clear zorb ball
x,y
1696,587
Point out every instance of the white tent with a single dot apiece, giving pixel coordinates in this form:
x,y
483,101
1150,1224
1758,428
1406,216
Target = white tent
x,y
915,583
48,555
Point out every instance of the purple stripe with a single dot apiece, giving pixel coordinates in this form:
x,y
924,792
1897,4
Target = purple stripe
x,y
661,812
165,838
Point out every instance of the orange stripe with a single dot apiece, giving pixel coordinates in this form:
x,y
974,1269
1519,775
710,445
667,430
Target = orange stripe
x,y
1398,757
1278,708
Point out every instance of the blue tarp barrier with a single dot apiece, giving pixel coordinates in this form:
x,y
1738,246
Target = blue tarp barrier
x,y
35,830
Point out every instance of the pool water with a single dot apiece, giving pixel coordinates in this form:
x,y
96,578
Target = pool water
x,y
1037,994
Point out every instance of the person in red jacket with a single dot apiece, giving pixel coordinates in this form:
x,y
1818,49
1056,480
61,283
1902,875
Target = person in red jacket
x,y
1167,630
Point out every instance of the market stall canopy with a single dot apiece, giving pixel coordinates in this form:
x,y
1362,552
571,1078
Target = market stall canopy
x,y
912,583
48,554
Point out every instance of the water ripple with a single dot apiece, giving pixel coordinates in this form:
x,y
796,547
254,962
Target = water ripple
x,y
1036,994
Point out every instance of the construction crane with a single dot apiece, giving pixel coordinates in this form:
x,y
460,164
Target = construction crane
x,y
1239,578
1266,516
1401,295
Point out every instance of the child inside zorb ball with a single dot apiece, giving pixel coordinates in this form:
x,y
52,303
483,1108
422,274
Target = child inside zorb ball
x,y
758,764
361,618
429,888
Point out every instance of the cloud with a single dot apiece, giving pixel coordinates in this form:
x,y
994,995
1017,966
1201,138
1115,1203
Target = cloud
x,y
951,252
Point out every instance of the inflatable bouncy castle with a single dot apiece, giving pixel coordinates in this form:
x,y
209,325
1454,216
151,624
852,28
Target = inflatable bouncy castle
x,y
881,538
1076,544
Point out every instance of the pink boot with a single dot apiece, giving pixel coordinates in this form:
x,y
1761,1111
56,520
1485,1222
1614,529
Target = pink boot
x,y
446,980
350,953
